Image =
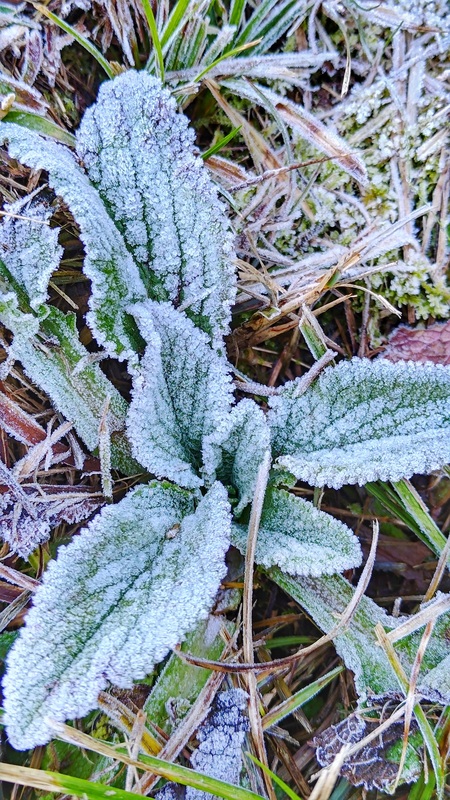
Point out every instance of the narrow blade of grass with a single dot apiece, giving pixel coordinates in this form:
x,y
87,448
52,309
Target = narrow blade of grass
x,y
229,54
237,12
39,124
220,144
172,772
174,20
414,506
88,46
286,789
422,721
299,698
151,22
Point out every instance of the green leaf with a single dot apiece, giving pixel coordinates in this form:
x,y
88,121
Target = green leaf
x,y
55,360
299,538
29,247
181,394
115,280
139,153
38,124
363,421
325,600
180,682
233,452
117,598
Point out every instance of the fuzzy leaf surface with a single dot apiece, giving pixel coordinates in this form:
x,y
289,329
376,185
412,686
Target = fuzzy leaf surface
x,y
115,279
117,598
234,451
181,394
299,538
139,153
325,600
29,247
59,364
364,421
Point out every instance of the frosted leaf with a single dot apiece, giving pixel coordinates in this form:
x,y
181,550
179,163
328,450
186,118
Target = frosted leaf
x,y
59,364
21,531
234,451
326,598
221,738
219,754
139,153
364,421
29,247
374,766
117,598
115,280
181,394
299,538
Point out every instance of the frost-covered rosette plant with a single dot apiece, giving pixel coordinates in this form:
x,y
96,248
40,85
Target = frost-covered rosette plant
x,y
137,579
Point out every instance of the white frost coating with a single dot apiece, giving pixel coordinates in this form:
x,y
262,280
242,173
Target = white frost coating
x,y
113,603
363,421
139,154
221,738
299,538
234,451
181,394
326,598
78,394
29,248
114,276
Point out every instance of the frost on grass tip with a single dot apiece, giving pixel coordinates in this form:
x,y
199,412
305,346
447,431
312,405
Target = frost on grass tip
x,y
139,153
364,421
113,603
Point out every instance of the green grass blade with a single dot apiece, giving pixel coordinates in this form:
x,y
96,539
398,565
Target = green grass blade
x,y
175,19
254,23
151,22
88,46
237,9
165,769
220,144
34,122
424,726
286,789
61,784
413,504
225,55
299,698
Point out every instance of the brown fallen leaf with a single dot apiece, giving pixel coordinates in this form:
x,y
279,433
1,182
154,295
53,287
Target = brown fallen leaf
x,y
420,344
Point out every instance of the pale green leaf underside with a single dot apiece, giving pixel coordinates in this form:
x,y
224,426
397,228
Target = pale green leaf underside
x,y
29,248
364,421
117,598
299,538
181,394
115,280
234,451
59,364
326,598
139,154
